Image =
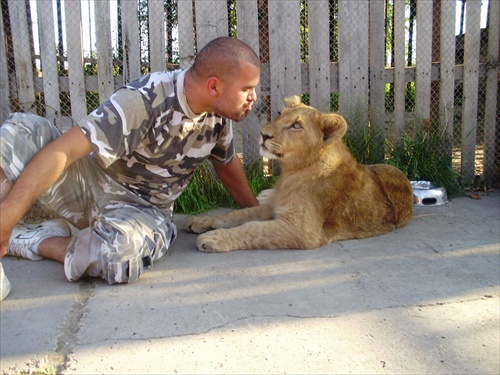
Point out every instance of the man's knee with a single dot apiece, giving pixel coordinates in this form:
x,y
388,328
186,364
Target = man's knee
x,y
33,125
21,137
136,255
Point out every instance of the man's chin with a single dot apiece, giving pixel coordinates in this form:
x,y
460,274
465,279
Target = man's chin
x,y
245,113
239,117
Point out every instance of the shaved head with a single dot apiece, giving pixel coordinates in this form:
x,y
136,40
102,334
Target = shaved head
x,y
222,58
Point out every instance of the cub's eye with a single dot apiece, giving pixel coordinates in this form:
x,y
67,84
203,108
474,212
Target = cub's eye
x,y
296,126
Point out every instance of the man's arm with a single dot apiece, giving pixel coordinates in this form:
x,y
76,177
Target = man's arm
x,y
235,180
40,173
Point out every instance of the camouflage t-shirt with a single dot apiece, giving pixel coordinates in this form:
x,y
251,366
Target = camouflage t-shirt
x,y
148,140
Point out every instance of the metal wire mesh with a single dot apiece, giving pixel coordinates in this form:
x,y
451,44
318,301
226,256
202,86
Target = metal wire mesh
x,y
394,68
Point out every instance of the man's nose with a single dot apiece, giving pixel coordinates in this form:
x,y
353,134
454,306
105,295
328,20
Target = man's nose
x,y
252,96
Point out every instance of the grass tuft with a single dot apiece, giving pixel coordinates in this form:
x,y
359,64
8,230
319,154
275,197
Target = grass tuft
x,y
421,157
365,146
206,191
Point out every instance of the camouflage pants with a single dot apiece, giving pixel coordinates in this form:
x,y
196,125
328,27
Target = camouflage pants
x,y
119,236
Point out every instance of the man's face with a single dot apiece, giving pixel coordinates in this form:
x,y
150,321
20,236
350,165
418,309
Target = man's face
x,y
239,95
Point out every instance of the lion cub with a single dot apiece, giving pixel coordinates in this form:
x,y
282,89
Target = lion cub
x,y
322,195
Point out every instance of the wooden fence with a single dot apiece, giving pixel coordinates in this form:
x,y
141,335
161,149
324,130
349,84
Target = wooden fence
x,y
359,76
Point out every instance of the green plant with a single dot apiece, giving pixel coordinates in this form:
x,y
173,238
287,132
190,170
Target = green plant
x,y
410,97
420,156
203,193
206,191
365,145
92,100
257,178
334,101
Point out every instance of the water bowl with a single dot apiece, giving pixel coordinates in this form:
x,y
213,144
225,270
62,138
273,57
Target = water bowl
x,y
427,193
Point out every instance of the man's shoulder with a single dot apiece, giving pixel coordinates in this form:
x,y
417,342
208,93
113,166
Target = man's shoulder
x,y
166,76
154,79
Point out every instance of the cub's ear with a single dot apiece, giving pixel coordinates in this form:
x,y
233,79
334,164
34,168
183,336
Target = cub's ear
x,y
292,101
333,126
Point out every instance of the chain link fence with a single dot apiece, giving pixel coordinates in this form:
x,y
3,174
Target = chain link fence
x,y
398,70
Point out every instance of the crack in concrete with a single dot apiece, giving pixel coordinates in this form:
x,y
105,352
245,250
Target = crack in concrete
x,y
61,358
70,326
483,298
229,323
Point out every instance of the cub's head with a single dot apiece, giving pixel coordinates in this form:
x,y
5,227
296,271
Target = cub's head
x,y
299,134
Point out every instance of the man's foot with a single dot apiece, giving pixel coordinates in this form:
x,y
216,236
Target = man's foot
x,y
4,284
26,238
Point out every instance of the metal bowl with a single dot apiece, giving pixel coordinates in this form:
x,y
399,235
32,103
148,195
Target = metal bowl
x,y
426,193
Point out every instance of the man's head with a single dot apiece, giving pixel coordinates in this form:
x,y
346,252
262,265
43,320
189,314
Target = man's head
x,y
223,57
229,71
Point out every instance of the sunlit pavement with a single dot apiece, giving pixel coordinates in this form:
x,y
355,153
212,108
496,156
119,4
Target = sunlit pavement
x,y
422,299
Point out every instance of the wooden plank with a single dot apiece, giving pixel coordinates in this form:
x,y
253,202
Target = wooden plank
x,y
353,61
334,77
447,59
131,48
319,55
156,35
470,96
248,31
399,70
4,78
48,58
186,33
104,49
250,127
73,17
424,61
491,105
435,72
284,51
22,55
377,76
91,83
211,21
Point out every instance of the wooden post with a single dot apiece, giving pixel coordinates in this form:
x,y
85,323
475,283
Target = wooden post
x,y
48,58
471,78
22,55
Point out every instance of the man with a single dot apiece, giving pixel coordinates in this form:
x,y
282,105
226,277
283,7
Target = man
x,y
115,176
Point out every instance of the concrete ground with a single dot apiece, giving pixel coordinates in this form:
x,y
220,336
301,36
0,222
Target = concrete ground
x,y
422,299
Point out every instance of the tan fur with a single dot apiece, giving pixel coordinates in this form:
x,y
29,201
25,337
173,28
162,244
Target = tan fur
x,y
322,195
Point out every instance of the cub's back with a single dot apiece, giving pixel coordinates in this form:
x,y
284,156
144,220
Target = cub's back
x,y
398,190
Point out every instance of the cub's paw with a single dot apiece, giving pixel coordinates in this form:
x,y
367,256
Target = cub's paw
x,y
213,242
199,224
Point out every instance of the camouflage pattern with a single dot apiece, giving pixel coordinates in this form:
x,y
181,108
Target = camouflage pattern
x,y
25,134
146,144
150,142
120,234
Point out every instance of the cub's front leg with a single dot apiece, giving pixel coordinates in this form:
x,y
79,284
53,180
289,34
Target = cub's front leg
x,y
273,234
201,224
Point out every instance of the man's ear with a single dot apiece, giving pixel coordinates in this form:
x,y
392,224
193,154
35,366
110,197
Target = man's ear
x,y
213,86
333,126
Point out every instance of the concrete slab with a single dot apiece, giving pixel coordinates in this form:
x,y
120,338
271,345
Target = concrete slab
x,y
422,299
